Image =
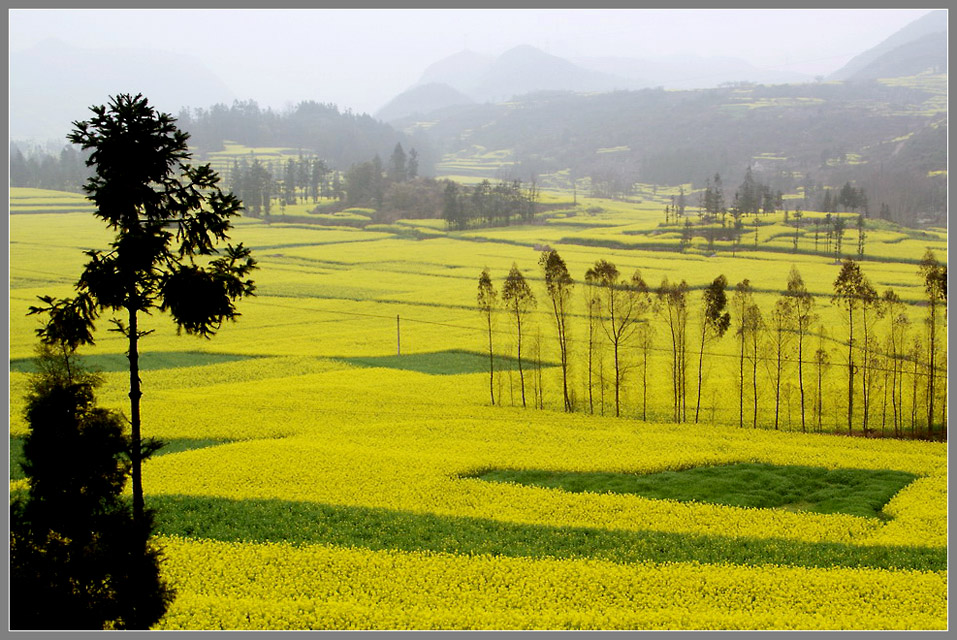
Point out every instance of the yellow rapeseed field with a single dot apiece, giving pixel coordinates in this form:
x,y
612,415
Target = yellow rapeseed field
x,y
316,411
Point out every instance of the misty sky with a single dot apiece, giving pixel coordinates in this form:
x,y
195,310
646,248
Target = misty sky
x,y
360,58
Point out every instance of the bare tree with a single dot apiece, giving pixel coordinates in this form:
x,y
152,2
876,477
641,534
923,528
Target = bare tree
x,y
870,312
742,299
754,325
645,342
559,285
896,339
519,300
821,362
673,306
780,325
802,304
487,303
916,354
935,285
592,306
848,289
620,306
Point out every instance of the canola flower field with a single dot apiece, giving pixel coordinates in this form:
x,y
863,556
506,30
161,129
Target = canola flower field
x,y
318,480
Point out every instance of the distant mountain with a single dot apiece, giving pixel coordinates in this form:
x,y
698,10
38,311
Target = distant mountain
x,y
523,69
690,71
53,84
461,71
933,22
422,99
928,53
526,69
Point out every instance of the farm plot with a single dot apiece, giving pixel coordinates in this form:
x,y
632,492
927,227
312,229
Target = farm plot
x,y
334,478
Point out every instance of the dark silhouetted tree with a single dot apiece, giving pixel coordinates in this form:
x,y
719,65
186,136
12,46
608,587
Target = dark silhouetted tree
x,y
168,217
78,559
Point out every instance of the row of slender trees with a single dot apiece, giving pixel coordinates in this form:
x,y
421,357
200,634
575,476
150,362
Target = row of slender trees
x,y
784,347
62,170
488,205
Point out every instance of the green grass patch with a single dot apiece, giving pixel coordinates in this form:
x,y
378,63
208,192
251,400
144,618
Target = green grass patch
x,y
858,492
16,457
113,362
378,529
177,445
443,363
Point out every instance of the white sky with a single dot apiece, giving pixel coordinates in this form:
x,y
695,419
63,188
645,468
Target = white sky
x,y
360,58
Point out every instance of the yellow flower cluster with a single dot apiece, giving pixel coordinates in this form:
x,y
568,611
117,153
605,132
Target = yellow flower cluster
x,y
278,586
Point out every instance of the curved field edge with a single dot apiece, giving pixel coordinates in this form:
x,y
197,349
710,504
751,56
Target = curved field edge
x,y
235,585
860,492
302,523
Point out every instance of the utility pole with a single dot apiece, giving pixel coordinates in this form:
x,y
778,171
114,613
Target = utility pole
x,y
398,348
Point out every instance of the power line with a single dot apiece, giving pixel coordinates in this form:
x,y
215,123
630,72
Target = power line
x,y
650,348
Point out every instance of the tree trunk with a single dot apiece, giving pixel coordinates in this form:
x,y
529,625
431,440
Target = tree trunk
x,y
754,382
801,372
491,366
617,380
136,448
563,344
777,383
850,373
865,379
894,366
741,385
931,357
884,405
697,408
521,374
913,402
684,373
820,399
644,379
591,352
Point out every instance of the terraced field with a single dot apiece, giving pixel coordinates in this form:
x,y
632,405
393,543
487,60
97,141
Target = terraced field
x,y
318,479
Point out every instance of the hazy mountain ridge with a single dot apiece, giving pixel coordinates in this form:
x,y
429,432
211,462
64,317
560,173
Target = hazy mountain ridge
x,y
526,69
933,22
926,54
422,99
690,72
75,78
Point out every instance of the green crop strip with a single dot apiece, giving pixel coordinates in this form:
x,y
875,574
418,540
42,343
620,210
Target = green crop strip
x,y
113,362
378,529
858,492
175,445
444,363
